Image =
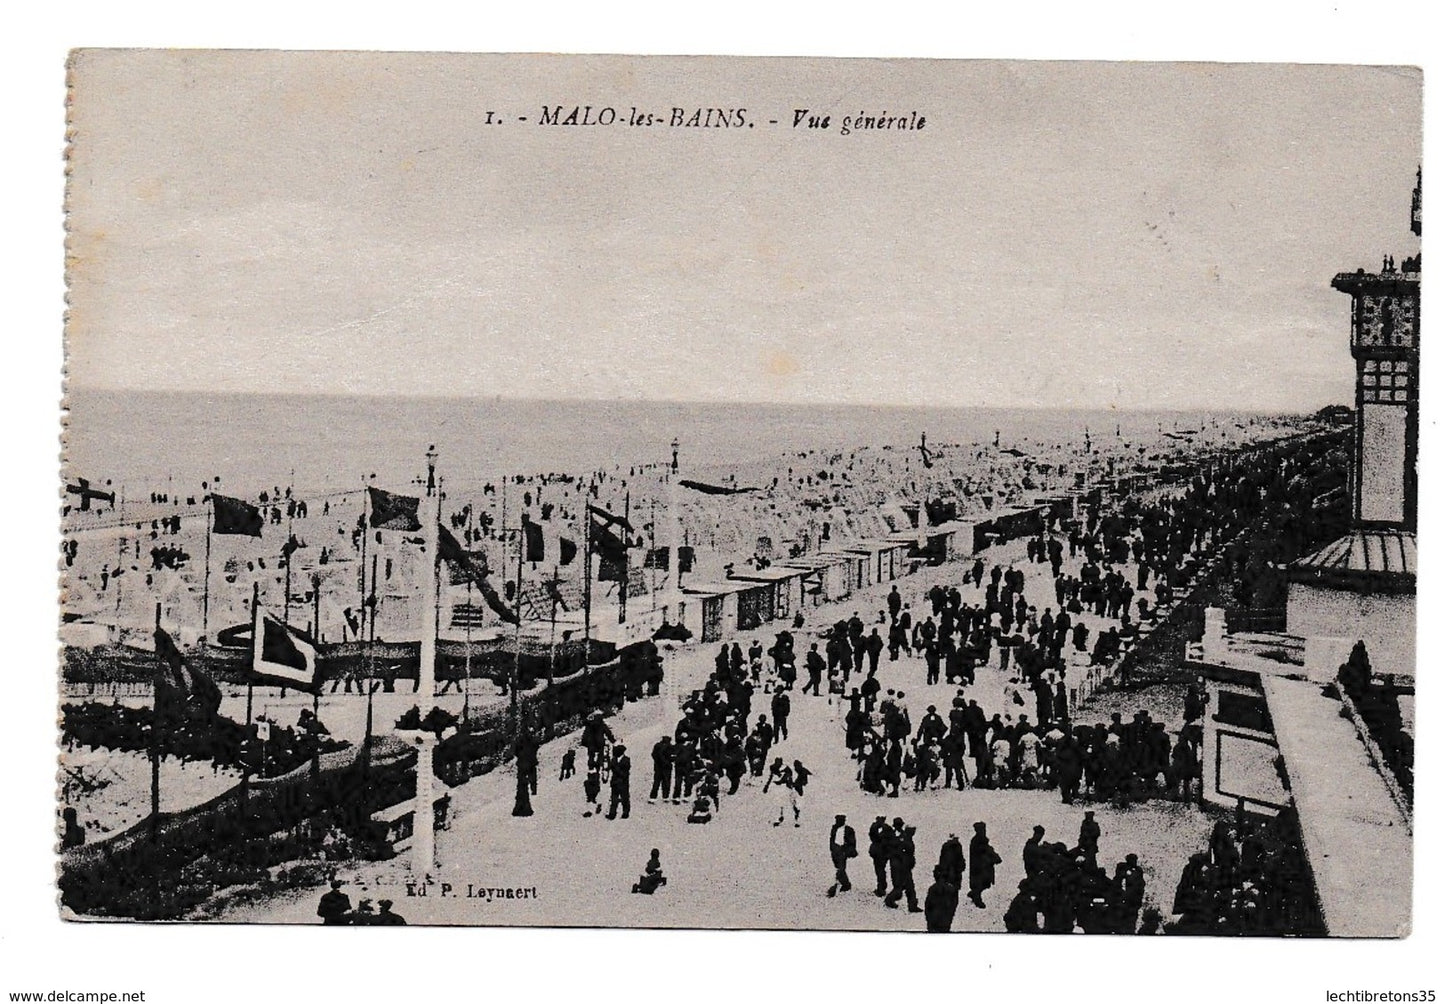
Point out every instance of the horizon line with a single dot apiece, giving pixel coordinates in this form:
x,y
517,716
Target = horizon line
x,y
69,390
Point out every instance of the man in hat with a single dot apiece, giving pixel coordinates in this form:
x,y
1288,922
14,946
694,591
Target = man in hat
x,y
621,782
335,906
1032,852
1128,894
951,860
1089,834
941,902
595,737
880,839
842,845
386,918
901,858
981,861
661,768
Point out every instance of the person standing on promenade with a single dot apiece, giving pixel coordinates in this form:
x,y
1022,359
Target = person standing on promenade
x,y
335,906
782,708
661,768
815,666
874,647
941,903
842,846
880,839
981,861
951,860
901,859
621,783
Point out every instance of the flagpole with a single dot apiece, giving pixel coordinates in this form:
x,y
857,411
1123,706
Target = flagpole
x,y
674,526
426,671
467,656
156,743
289,553
365,532
552,643
206,589
315,675
626,566
517,630
423,810
256,629
586,583
370,631
522,805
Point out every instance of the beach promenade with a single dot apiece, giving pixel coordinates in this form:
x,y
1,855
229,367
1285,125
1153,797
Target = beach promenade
x,y
739,870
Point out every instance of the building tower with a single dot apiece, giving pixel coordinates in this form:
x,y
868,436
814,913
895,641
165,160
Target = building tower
x,y
1366,579
1384,339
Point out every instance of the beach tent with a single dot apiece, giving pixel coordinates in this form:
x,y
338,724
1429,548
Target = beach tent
x,y
1056,507
829,575
862,569
884,557
785,583
715,614
1009,523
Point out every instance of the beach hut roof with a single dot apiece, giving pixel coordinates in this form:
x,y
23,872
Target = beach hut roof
x,y
717,588
773,573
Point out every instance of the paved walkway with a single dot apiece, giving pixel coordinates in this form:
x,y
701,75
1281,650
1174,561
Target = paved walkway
x,y
1359,845
739,870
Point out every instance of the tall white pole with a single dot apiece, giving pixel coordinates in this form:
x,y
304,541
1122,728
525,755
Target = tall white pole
x,y
674,541
423,815
430,514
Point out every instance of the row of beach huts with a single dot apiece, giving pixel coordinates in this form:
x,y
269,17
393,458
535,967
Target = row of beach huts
x,y
751,598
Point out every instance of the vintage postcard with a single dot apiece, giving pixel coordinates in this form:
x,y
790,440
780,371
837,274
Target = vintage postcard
x,y
845,494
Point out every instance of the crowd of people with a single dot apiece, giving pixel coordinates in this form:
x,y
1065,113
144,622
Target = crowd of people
x,y
717,743
1032,742
1065,890
893,852
1252,879
335,910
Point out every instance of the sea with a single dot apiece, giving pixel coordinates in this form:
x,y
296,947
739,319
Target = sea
x,y
143,441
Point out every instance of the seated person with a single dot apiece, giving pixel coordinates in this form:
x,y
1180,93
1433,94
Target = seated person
x,y
652,876
701,810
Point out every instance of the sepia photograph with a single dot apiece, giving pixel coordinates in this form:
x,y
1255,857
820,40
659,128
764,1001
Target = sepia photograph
x,y
784,494
674,503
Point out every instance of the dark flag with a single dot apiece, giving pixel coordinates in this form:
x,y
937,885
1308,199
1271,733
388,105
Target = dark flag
x,y
290,547
612,550
609,519
658,557
566,550
474,567
685,557
532,540
183,685
87,494
235,516
281,654
393,512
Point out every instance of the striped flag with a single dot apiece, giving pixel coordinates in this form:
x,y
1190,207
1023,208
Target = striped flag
x,y
281,654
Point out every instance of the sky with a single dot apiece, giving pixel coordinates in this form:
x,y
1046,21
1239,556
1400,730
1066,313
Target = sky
x,y
1080,235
